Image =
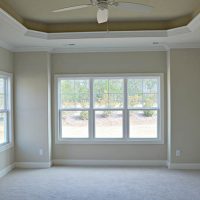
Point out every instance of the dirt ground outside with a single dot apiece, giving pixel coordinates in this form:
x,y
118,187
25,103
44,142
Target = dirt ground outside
x,y
109,126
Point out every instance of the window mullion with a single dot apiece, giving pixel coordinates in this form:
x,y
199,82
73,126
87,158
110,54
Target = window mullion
x,y
91,112
125,113
60,123
7,127
5,94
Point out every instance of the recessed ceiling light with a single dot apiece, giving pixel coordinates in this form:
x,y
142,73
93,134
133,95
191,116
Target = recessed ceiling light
x,y
71,44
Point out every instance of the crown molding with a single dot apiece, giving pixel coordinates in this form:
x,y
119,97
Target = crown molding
x,y
191,27
89,50
7,46
6,18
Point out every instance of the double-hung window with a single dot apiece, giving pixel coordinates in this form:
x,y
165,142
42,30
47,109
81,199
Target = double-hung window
x,y
112,108
6,139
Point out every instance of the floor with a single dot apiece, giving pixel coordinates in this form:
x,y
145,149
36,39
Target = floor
x,y
100,183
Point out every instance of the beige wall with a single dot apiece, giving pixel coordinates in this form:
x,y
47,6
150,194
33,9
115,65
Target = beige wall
x,y
6,65
185,103
32,88
31,107
91,63
31,104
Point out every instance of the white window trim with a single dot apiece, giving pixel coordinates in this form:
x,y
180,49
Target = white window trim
x,y
125,140
10,143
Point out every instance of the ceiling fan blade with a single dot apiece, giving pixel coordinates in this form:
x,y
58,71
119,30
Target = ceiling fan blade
x,y
72,8
136,7
102,16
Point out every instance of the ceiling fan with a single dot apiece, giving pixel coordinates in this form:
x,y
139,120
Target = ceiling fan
x,y
103,5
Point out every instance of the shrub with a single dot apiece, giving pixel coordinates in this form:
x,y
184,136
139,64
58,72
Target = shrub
x,y
84,115
106,113
148,113
148,103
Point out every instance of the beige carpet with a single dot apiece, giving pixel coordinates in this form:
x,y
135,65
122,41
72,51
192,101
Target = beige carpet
x,y
92,183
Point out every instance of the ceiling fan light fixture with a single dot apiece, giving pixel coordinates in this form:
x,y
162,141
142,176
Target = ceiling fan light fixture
x,y
102,5
102,15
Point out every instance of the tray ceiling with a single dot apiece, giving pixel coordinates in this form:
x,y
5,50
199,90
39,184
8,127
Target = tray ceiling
x,y
38,15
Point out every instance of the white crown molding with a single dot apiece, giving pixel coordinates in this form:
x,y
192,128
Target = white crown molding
x,y
12,21
185,46
161,47
107,49
90,50
36,34
194,24
133,163
6,18
6,46
178,31
107,34
6,170
32,49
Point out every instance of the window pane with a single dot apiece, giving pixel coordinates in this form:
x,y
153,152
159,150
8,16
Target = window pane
x,y
2,93
3,127
74,124
150,85
108,93
150,100
143,124
135,100
74,93
135,93
143,92
108,124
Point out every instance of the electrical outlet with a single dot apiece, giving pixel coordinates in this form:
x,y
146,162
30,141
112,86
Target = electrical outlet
x,y
178,153
41,152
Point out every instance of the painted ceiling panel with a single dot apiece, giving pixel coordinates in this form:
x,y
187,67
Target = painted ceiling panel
x,y
41,10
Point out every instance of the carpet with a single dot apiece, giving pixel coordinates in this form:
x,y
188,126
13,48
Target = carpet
x,y
100,183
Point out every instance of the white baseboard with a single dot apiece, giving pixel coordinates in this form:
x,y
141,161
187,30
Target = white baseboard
x,y
33,165
133,163
188,166
6,170
145,163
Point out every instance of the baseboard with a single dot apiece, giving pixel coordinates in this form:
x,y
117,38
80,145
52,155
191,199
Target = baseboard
x,y
6,170
145,163
133,163
33,165
188,166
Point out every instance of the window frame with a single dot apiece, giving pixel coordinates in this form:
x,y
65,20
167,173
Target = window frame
x,y
8,110
125,110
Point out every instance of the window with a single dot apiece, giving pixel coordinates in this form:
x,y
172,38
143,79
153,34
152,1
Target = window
x,y
5,111
108,106
117,109
74,108
143,95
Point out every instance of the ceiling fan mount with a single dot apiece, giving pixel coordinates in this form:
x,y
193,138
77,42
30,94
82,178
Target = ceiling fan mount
x,y
103,5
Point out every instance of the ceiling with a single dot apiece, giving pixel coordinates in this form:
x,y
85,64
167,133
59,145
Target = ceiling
x,y
38,15
28,25
17,38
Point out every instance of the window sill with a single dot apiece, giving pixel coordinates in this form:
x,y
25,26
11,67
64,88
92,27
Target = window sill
x,y
5,147
104,141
